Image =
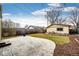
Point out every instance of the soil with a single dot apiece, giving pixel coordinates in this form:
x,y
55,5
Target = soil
x,y
71,49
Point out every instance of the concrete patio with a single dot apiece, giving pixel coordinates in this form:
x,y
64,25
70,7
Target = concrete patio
x,y
28,46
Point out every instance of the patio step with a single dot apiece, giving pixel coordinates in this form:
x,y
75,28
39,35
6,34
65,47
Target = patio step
x,y
3,44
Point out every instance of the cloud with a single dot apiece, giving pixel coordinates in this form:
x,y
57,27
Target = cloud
x,y
6,14
41,12
55,4
67,9
31,21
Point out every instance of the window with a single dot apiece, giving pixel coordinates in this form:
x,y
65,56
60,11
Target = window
x,y
59,29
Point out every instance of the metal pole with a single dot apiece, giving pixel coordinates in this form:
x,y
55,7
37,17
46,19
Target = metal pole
x,y
0,19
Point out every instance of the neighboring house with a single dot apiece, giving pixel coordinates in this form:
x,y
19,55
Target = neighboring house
x,y
58,29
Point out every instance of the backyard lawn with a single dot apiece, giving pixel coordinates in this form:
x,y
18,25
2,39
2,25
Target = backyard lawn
x,y
56,38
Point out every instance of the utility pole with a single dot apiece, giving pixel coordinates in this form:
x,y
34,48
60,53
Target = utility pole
x,y
0,19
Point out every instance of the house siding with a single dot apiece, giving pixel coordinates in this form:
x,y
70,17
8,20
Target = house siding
x,y
53,29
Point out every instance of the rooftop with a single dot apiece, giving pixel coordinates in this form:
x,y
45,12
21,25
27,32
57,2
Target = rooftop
x,y
60,24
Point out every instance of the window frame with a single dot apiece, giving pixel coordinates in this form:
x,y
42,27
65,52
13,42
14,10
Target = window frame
x,y
59,29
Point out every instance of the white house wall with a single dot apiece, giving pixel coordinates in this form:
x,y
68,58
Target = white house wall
x,y
53,28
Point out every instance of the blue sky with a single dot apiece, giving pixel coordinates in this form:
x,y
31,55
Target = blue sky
x,y
27,13
23,8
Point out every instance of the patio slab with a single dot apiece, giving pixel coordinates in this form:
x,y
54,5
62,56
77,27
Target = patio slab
x,y
28,46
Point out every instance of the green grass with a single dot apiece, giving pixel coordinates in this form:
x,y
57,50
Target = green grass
x,y
56,38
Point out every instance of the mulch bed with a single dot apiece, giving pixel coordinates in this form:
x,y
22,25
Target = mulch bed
x,y
71,49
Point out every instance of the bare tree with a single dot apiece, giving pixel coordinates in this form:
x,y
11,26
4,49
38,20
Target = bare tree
x,y
61,20
9,28
75,18
26,27
53,16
